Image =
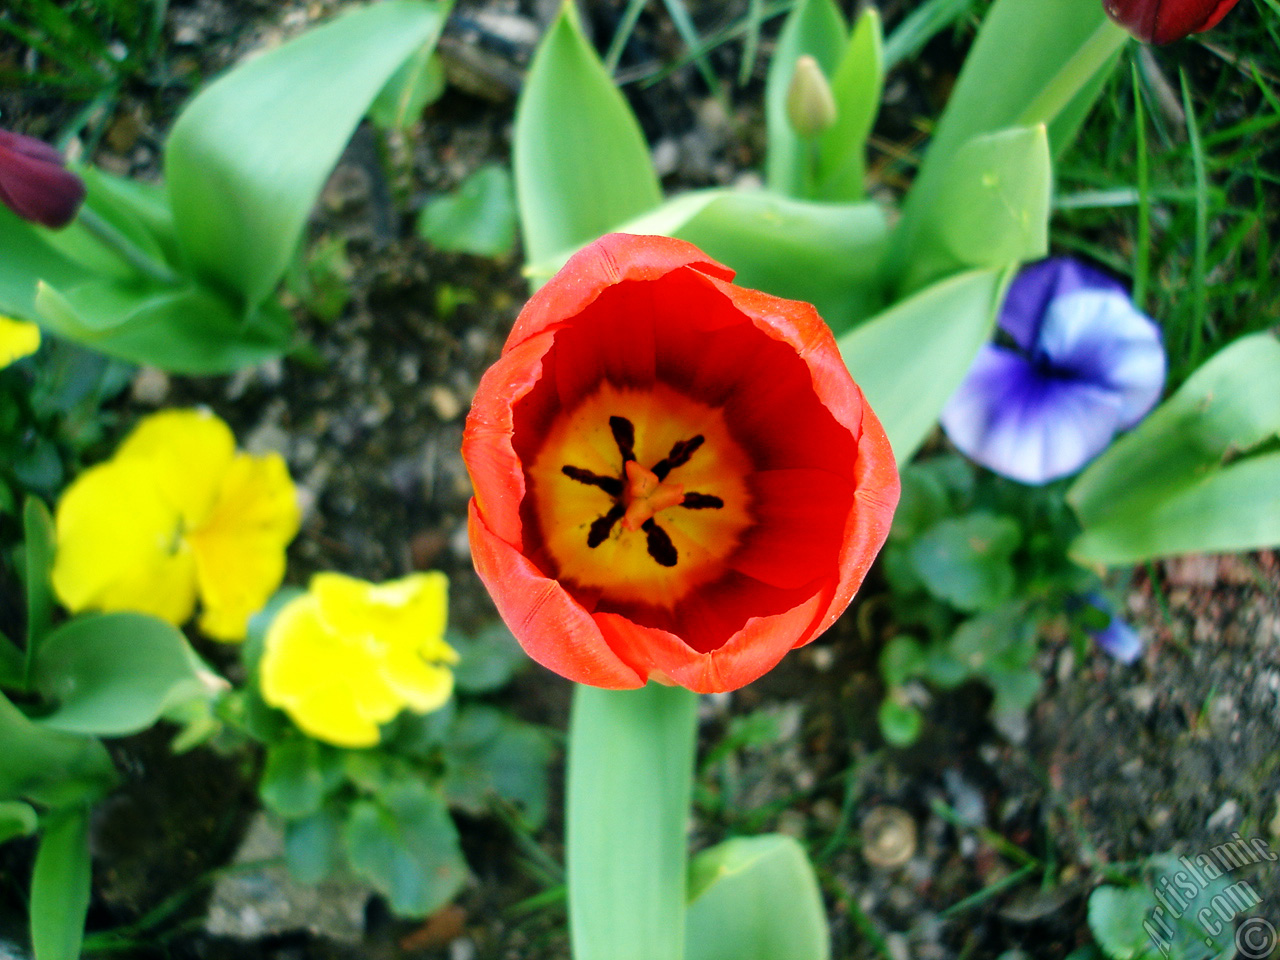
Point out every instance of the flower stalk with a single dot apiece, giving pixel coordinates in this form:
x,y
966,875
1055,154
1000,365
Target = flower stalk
x,y
124,248
630,780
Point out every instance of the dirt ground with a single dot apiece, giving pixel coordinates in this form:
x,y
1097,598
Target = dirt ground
x,y
1112,764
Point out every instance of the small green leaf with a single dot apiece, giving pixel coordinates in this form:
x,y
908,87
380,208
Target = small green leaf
x,y
248,156
39,540
419,82
910,359
573,189
479,217
901,659
755,898
1116,917
298,776
816,28
1003,638
60,886
966,560
1015,690
311,846
114,674
488,661
17,819
405,845
900,723
923,503
489,756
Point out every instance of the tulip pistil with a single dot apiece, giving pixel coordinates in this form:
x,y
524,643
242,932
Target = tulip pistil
x,y
641,494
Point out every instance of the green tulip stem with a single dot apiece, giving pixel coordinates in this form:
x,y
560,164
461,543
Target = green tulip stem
x,y
1089,58
630,780
125,248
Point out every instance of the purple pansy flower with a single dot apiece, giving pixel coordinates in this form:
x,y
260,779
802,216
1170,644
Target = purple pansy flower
x,y
35,184
1083,364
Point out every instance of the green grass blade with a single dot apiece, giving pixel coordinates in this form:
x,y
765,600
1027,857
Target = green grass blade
x,y
626,26
1142,246
1199,295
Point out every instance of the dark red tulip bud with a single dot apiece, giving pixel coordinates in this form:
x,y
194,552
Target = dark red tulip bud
x,y
35,184
1163,21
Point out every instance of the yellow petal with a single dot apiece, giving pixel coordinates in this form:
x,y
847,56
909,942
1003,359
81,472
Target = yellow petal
x,y
409,613
327,683
240,550
190,452
118,545
18,339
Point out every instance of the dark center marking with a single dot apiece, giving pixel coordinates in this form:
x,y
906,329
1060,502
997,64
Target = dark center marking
x,y
657,541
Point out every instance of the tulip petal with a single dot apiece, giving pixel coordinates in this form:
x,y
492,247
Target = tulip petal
x,y
553,628
598,266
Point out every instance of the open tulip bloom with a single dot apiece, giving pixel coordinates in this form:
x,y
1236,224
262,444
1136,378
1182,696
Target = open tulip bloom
x,y
675,477
1083,365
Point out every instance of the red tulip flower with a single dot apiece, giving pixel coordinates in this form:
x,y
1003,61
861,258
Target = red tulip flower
x,y
1163,21
35,184
675,477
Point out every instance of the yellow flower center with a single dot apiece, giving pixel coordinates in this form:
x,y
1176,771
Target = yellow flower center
x,y
641,495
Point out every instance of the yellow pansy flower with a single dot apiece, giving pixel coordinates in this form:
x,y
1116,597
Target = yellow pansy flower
x,y
18,339
177,514
349,655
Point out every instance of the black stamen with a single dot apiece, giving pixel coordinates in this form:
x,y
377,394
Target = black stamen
x,y
680,453
610,485
601,527
701,501
624,434
660,546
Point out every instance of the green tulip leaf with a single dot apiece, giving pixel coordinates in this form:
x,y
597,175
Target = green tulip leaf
x,y
60,885
418,83
28,258
49,767
478,218
1183,481
755,898
581,164
816,28
1032,63
405,845
189,330
857,86
991,208
910,359
822,253
114,674
249,155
